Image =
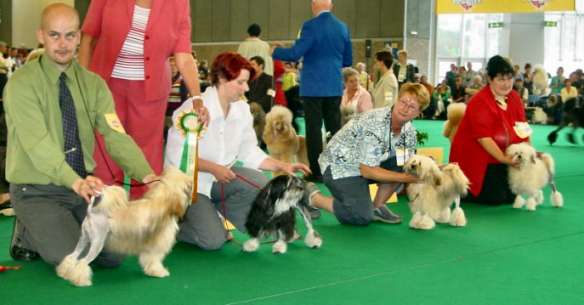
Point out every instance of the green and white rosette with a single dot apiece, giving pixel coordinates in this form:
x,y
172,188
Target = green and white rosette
x,y
188,124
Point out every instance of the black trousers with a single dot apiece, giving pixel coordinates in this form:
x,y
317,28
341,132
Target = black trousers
x,y
315,110
495,187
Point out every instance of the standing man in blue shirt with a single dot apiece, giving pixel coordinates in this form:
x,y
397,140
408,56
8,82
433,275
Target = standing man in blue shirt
x,y
325,46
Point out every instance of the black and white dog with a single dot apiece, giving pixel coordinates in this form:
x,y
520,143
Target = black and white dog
x,y
273,212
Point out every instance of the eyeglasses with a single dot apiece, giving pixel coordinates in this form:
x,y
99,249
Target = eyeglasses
x,y
409,104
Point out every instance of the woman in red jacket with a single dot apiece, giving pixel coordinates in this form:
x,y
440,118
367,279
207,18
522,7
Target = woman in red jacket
x,y
128,43
494,119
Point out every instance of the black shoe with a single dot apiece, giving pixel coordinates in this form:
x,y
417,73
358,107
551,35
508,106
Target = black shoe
x,y
22,254
16,251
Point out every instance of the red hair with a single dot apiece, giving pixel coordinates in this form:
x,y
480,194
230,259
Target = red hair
x,y
228,65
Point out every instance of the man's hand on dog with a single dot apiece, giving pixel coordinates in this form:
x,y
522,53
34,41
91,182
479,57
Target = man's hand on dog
x,y
88,187
293,168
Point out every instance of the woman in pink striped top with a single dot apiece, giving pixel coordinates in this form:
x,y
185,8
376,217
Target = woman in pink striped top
x,y
128,43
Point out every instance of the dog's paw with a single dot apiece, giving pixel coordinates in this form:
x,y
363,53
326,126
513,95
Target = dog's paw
x,y
415,221
557,199
444,216
80,275
156,270
519,202
280,247
251,245
312,240
531,204
425,222
458,219
66,266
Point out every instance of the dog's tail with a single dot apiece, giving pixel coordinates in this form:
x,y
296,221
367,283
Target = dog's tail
x,y
549,163
556,197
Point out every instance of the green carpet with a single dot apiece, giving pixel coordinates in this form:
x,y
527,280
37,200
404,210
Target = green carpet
x,y
503,256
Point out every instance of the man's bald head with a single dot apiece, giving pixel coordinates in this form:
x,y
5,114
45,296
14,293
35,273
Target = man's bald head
x,y
321,5
59,33
58,10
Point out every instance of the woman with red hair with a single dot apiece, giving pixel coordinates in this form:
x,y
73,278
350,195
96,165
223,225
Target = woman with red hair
x,y
229,138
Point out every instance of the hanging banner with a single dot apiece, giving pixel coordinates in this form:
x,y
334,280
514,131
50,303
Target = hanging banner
x,y
499,6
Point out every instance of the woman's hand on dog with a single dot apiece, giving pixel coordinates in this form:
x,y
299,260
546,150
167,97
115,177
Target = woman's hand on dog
x,y
88,187
510,161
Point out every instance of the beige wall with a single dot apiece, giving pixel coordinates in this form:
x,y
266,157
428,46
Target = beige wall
x,y
26,20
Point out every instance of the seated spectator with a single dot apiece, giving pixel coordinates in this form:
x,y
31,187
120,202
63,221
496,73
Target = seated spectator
x,y
364,79
557,83
568,91
458,91
370,149
355,99
521,90
474,86
229,138
441,97
494,119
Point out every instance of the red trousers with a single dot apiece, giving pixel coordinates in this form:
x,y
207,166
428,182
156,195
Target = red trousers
x,y
143,121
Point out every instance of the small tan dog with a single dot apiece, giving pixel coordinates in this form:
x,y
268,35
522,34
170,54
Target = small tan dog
x,y
431,199
455,112
145,227
281,139
531,175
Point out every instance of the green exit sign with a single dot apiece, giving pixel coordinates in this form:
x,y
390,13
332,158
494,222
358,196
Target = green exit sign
x,y
495,25
550,24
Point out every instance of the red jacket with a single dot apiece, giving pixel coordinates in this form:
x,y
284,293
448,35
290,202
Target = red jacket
x,y
483,118
168,32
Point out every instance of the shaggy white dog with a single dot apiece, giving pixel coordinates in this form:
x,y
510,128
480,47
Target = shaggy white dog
x,y
530,176
431,199
146,227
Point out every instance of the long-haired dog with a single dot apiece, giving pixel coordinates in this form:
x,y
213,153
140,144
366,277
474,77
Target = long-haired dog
x,y
145,227
281,139
273,212
530,176
432,197
259,119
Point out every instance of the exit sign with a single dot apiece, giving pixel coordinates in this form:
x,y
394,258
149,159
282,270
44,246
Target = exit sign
x,y
495,25
550,24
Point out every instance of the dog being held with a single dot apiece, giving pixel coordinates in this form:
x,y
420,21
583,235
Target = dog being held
x,y
281,139
145,227
530,176
273,212
432,197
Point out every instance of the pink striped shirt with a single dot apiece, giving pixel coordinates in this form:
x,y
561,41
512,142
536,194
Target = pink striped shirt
x,y
130,62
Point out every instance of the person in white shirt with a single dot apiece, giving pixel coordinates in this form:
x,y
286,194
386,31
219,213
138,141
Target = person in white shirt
x,y
255,46
222,185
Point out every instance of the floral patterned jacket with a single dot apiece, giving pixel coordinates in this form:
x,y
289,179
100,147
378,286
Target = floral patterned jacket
x,y
367,140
